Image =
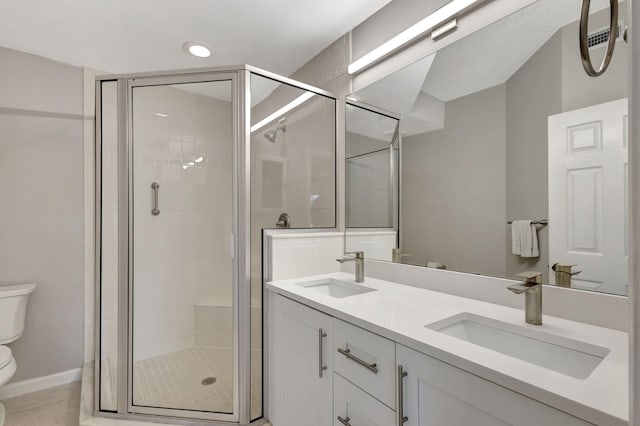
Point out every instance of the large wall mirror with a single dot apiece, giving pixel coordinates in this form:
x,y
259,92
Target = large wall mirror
x,y
512,159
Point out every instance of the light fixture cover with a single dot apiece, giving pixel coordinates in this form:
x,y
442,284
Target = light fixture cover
x,y
198,49
444,14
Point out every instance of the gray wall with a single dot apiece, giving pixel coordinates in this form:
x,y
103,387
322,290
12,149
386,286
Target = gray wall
x,y
41,219
453,208
533,93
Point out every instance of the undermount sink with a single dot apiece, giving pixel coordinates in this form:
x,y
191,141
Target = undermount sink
x,y
567,356
336,288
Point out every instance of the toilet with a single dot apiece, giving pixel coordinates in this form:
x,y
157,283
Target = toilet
x,y
13,309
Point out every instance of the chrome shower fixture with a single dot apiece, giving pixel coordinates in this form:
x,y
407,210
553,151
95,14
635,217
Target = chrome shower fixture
x,y
273,133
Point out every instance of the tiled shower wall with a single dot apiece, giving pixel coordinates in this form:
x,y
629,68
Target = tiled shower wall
x,y
182,256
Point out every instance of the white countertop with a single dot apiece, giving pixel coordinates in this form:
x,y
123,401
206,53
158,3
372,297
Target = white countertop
x,y
400,313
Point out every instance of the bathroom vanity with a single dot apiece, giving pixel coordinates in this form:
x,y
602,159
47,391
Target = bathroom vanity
x,y
382,353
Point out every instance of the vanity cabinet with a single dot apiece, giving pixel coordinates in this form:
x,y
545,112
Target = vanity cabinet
x,y
435,393
326,371
303,365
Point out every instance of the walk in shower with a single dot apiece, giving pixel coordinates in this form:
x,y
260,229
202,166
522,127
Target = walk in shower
x,y
191,166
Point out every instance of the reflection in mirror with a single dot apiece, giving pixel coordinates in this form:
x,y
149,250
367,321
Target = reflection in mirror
x,y
513,159
371,154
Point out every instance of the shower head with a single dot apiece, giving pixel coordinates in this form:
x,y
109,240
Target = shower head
x,y
271,136
273,133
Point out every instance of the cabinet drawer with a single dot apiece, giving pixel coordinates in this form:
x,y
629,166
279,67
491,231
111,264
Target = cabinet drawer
x,y
356,407
365,359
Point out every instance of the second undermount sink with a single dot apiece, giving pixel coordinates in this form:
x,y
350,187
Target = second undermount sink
x,y
336,288
567,356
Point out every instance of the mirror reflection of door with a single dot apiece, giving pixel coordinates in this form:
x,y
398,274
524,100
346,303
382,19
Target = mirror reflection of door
x,y
588,173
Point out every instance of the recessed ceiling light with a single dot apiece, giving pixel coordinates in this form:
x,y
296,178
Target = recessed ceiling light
x,y
198,48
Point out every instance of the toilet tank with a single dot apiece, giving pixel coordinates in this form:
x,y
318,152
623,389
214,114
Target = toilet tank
x,y
13,310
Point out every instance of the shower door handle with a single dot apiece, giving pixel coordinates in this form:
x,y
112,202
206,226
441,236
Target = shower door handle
x,y
155,210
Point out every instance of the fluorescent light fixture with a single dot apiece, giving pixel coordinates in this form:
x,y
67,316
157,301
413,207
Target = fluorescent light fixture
x,y
440,16
160,114
285,109
199,160
444,29
199,49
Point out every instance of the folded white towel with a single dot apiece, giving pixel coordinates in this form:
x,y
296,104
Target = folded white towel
x,y
524,239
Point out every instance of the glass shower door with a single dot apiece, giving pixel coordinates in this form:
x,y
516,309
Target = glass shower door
x,y
182,302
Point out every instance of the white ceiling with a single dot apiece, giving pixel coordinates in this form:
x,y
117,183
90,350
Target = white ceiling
x,y
491,56
122,36
484,59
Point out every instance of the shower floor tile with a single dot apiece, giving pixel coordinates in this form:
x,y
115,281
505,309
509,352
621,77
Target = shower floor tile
x,y
174,380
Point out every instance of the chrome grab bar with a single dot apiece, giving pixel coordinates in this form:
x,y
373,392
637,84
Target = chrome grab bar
x,y
347,352
584,38
402,419
321,366
344,421
155,211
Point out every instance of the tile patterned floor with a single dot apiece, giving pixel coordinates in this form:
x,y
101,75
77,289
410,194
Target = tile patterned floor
x,y
58,406
174,380
171,380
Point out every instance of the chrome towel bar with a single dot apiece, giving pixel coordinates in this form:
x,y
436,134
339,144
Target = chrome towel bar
x,y
543,222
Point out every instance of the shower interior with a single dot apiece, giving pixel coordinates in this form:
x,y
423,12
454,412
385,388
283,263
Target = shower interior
x,y
180,217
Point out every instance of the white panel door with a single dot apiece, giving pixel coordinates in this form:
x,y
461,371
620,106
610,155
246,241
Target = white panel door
x,y
437,394
303,393
588,171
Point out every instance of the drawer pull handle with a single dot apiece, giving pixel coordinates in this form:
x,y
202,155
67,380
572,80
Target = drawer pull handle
x,y
321,366
344,421
402,419
347,352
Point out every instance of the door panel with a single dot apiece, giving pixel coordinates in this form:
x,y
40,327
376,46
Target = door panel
x,y
182,156
437,394
588,172
302,394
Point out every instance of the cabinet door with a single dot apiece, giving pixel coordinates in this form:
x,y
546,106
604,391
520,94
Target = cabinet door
x,y
354,407
303,366
437,394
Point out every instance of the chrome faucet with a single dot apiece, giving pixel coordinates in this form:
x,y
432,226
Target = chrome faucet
x,y
358,257
532,289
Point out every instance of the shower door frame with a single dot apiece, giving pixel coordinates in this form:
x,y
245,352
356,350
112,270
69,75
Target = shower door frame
x,y
237,225
238,77
241,104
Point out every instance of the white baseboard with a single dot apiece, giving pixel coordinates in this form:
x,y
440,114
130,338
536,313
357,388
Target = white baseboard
x,y
11,390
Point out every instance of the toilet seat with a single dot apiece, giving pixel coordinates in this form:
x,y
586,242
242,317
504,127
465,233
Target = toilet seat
x,y
5,356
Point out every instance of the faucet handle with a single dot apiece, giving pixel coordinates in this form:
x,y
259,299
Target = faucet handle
x,y
356,254
531,277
